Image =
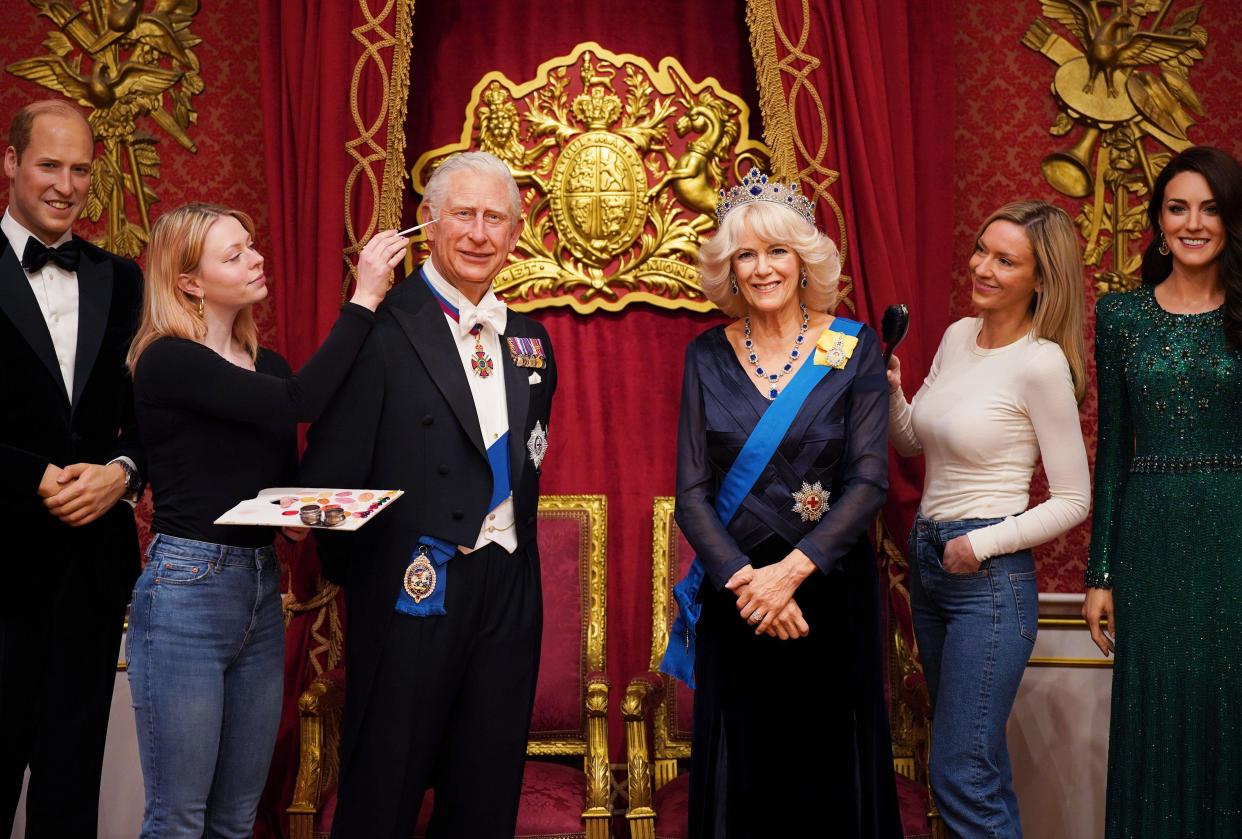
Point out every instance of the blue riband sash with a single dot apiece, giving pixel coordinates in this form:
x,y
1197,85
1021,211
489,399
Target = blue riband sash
x,y
756,453
436,550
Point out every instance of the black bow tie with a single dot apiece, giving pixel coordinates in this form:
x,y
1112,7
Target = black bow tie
x,y
38,254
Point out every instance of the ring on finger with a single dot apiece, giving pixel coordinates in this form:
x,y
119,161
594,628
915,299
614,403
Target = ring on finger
x,y
756,617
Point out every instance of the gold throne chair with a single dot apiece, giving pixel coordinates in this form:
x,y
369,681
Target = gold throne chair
x,y
567,751
658,710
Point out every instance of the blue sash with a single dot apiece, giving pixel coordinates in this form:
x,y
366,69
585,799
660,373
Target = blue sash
x,y
437,551
756,453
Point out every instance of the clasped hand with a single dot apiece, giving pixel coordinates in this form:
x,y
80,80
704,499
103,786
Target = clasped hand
x,y
765,596
81,492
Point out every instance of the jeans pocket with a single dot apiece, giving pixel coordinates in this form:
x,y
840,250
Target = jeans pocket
x,y
1026,602
179,570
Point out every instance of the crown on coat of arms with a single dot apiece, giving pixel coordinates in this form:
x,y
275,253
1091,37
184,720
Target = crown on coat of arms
x,y
757,186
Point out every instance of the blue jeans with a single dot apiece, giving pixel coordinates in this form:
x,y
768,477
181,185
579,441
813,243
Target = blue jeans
x,y
206,658
975,633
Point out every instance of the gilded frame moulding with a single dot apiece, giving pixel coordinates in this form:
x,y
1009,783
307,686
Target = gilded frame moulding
x,y
591,511
667,748
614,202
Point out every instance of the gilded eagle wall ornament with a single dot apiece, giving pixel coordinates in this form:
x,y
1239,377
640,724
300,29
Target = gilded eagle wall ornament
x,y
619,164
1124,80
122,61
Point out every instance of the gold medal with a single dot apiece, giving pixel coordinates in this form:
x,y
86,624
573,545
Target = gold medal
x,y
420,578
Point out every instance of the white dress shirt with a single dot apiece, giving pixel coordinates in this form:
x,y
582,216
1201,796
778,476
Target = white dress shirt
x,y
57,292
490,403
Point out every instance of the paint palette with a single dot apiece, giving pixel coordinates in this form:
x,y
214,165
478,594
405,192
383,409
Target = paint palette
x,y
335,509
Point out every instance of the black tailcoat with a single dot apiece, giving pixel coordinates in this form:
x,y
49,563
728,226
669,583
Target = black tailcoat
x,y
65,589
406,419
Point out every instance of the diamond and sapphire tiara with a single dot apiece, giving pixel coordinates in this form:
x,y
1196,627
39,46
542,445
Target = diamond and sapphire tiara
x,y
757,186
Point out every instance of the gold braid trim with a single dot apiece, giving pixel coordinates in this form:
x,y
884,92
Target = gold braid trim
x,y
398,98
363,148
322,597
780,120
778,128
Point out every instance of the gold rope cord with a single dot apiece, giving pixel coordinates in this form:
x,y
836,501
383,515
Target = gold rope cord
x,y
363,148
779,110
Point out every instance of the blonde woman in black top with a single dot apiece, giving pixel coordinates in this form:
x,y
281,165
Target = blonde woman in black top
x,y
217,417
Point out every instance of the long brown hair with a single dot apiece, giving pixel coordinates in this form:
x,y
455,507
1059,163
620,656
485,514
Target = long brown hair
x,y
1224,178
1057,310
176,248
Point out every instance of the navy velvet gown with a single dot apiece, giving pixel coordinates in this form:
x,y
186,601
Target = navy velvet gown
x,y
788,733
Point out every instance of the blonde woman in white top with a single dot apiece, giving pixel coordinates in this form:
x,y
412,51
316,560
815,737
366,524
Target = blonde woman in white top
x,y
1003,391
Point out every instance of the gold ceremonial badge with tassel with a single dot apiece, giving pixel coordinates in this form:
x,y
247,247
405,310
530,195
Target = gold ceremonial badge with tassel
x,y
833,349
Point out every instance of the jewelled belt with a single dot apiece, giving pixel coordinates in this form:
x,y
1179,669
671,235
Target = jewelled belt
x,y
1149,464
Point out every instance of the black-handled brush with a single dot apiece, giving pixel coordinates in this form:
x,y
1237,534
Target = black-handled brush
x,y
893,328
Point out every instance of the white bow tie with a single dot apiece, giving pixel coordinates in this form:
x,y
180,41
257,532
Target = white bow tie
x,y
490,312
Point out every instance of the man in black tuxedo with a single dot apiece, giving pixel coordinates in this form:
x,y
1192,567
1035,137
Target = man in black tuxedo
x,y
449,401
68,454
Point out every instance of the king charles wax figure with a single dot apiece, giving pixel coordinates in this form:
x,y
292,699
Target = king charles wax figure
x,y
449,401
68,454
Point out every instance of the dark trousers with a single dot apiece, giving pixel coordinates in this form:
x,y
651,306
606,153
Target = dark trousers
x,y
449,708
58,657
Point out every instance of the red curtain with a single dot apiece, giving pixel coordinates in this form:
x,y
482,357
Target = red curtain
x,y
306,56
614,423
873,77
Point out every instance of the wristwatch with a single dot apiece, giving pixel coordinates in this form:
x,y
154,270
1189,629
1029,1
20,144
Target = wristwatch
x,y
133,482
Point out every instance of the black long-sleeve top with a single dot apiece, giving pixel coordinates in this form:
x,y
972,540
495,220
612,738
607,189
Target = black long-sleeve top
x,y
839,438
215,433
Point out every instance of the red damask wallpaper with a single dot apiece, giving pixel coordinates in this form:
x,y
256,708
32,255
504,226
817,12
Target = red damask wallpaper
x,y
228,165
1003,110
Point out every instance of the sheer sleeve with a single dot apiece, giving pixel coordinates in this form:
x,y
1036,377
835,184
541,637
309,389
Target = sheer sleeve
x,y
1115,443
697,485
188,375
865,479
1047,389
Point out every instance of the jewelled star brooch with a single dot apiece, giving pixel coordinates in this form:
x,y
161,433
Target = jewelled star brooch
x,y
811,502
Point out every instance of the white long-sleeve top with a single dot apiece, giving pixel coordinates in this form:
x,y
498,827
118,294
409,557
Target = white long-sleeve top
x,y
981,418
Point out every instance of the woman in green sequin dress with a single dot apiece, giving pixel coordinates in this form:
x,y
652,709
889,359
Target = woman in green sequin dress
x,y
1166,543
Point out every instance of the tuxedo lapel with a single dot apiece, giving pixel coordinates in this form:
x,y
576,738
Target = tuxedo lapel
x,y
517,393
18,302
94,298
427,330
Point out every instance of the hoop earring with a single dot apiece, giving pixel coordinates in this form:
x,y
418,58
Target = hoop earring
x,y
200,305
803,281
732,282
1164,245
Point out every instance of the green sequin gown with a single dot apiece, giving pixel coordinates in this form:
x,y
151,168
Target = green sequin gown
x,y
1167,536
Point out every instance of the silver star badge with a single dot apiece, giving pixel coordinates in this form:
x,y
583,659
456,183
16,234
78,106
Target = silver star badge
x,y
537,444
811,502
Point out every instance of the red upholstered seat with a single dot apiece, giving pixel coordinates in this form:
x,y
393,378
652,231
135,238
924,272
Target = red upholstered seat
x,y
658,711
552,801
912,802
672,806
562,798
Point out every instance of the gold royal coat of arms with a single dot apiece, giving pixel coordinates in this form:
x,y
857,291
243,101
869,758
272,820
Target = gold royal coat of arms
x,y
619,164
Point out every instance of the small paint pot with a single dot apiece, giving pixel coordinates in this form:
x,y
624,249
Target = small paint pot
x,y
311,515
333,515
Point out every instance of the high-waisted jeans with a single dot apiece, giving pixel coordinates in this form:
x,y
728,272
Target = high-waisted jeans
x,y
975,633
206,655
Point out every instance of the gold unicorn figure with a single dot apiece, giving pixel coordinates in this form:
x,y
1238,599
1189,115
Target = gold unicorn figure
x,y
697,174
